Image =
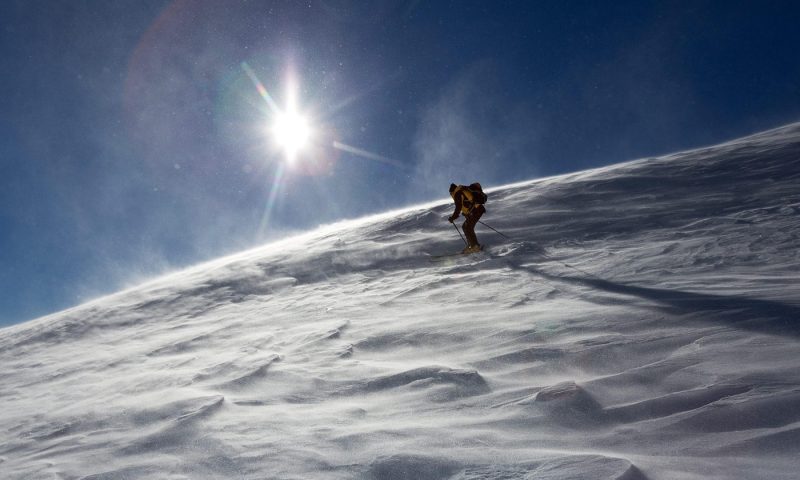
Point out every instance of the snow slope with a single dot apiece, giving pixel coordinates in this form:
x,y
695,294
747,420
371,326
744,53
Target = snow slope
x,y
643,323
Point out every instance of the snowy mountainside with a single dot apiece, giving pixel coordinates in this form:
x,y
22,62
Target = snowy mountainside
x,y
643,322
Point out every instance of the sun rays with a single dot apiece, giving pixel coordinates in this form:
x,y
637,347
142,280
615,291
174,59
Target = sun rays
x,y
303,143
290,130
293,132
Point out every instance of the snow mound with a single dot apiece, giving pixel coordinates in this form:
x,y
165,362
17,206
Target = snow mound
x,y
642,322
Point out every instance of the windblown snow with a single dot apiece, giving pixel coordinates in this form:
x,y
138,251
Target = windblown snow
x,y
642,322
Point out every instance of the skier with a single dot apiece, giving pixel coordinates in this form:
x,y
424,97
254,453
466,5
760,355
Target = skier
x,y
469,201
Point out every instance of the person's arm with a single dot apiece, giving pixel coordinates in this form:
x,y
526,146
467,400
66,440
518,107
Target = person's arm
x,y
458,199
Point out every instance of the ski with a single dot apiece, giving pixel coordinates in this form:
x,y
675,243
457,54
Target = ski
x,y
457,254
446,255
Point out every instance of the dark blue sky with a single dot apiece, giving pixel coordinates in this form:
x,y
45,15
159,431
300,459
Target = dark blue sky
x,y
132,140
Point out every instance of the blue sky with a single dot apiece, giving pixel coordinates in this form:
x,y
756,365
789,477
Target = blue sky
x,y
133,141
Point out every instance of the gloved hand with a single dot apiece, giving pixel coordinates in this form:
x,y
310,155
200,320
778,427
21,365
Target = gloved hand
x,y
451,219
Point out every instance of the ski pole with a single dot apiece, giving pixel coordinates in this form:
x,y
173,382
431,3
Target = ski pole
x,y
494,230
459,234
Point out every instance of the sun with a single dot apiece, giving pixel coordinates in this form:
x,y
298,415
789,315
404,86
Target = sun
x,y
292,133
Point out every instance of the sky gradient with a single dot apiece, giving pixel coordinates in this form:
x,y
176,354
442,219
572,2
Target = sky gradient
x,y
133,140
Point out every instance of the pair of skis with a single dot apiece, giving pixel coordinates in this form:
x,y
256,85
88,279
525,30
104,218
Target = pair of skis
x,y
451,255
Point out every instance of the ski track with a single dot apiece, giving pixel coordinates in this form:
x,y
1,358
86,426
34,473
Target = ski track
x,y
643,323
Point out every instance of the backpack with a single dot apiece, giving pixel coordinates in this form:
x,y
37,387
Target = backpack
x,y
478,197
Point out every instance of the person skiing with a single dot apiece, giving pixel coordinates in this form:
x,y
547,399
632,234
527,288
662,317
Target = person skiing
x,y
469,202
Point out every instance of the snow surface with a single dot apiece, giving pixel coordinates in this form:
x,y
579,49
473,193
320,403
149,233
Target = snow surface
x,y
643,323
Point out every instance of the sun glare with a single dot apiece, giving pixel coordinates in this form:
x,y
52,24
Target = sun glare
x,y
291,133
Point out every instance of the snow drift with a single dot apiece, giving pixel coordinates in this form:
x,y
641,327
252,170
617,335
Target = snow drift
x,y
643,323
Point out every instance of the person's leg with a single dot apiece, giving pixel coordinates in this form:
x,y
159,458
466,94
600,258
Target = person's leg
x,y
479,211
469,225
469,231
